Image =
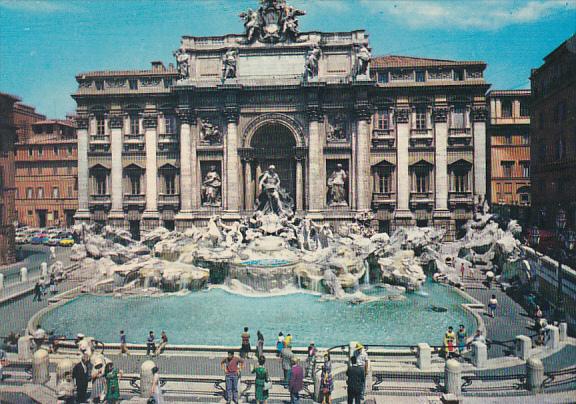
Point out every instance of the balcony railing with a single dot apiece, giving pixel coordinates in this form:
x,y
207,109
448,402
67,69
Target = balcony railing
x,y
97,199
168,142
134,143
421,198
100,143
134,199
383,197
421,137
459,136
463,197
383,137
171,200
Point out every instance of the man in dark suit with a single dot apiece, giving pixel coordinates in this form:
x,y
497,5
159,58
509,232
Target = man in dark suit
x,y
81,375
356,380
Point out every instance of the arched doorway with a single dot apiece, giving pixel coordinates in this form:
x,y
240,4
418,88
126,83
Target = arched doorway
x,y
272,144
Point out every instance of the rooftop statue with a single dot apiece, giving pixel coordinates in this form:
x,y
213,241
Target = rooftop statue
x,y
275,21
229,64
364,57
182,63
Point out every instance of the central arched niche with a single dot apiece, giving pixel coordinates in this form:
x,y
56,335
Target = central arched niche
x,y
274,144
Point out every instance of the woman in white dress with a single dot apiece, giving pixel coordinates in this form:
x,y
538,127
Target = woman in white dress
x,y
155,391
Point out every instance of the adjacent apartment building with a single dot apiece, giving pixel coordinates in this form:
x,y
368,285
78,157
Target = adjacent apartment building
x,y
47,175
7,186
508,135
553,135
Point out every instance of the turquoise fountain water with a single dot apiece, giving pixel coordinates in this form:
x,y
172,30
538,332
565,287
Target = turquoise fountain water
x,y
216,317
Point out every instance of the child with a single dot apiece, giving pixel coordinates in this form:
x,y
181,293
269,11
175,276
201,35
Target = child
x,y
492,304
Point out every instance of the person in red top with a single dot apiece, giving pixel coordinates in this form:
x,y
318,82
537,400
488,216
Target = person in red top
x,y
232,367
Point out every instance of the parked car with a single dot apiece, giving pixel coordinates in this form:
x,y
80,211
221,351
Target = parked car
x,y
67,240
40,238
54,240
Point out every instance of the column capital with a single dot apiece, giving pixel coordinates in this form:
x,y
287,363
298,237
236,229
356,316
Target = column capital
x,y
440,114
82,122
315,113
479,113
186,115
116,121
150,121
402,114
363,112
232,114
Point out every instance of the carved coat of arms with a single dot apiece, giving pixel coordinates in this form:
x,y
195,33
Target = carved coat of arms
x,y
275,21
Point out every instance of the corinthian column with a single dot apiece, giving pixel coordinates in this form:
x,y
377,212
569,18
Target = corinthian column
x,y
316,195
186,163
150,123
479,133
116,216
299,184
441,166
232,163
83,212
403,213
363,194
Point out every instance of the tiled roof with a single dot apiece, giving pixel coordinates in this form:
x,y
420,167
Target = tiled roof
x,y
495,93
55,121
409,61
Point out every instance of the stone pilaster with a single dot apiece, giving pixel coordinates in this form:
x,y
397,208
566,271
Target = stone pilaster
x,y
403,216
116,216
316,178
187,162
299,184
249,186
479,116
232,205
83,213
441,166
150,216
363,193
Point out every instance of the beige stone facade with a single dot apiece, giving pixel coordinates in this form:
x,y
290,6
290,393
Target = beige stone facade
x,y
408,133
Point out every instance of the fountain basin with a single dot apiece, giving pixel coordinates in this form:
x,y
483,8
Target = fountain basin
x,y
217,317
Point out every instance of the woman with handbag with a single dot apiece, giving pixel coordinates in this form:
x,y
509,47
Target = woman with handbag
x,y
263,384
155,391
326,382
112,383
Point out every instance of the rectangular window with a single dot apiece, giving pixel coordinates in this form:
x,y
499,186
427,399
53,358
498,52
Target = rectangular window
x,y
525,139
49,129
29,193
135,183
525,169
524,108
40,193
170,124
56,150
420,76
384,180
421,179
460,181
133,84
99,85
30,152
506,109
421,118
459,75
69,150
40,151
170,183
167,83
459,117
56,215
55,192
507,168
508,139
30,213
382,77
134,124
101,184
382,118
100,126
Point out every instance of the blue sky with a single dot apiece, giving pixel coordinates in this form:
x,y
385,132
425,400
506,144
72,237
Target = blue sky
x,y
45,43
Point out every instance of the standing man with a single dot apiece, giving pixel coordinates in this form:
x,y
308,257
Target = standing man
x,y
150,344
362,361
356,381
123,346
245,347
287,358
296,381
81,374
232,367
37,292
